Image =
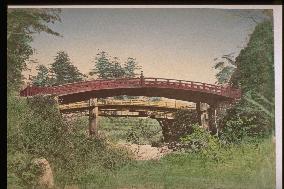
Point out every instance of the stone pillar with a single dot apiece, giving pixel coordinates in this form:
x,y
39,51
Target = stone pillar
x,y
93,117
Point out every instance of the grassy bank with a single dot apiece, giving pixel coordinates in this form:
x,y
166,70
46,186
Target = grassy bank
x,y
94,164
244,166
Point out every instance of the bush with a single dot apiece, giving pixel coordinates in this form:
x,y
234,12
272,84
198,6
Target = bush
x,y
242,121
36,129
202,142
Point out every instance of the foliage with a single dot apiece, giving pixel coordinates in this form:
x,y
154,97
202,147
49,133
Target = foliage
x,y
242,166
23,167
42,79
253,115
226,66
105,68
22,24
201,141
244,120
36,129
142,133
255,63
130,67
64,71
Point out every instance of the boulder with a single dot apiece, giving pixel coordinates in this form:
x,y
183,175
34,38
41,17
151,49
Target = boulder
x,y
45,180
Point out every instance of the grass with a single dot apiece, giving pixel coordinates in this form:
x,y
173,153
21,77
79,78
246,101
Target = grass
x,y
117,129
245,166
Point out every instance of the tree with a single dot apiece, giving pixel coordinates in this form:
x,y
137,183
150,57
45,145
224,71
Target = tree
x,y
22,25
253,115
64,71
116,69
130,67
255,63
102,66
226,67
105,68
42,78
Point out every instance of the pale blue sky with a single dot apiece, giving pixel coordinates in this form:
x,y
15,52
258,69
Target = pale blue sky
x,y
169,43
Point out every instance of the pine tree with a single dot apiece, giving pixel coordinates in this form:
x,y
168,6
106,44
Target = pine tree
x,y
102,66
105,68
42,78
64,71
130,67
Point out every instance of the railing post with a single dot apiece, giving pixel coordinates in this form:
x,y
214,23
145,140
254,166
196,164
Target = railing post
x,y
142,79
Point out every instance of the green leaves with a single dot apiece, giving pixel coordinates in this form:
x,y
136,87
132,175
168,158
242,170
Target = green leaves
x,y
225,68
42,79
64,71
202,142
37,129
105,68
21,25
255,70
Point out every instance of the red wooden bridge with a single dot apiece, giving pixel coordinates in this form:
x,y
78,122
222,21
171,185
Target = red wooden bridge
x,y
152,87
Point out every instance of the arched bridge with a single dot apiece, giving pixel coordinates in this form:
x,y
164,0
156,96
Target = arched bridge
x,y
152,87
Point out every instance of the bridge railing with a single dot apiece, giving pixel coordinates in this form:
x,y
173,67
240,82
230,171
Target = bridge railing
x,y
199,86
132,82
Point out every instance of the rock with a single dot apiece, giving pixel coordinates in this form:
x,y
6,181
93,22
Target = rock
x,y
46,179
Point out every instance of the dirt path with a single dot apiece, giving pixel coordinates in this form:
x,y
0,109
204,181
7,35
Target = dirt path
x,y
146,152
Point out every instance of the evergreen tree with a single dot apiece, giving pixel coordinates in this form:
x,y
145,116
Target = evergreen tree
x,y
102,66
42,78
116,71
64,71
112,69
130,67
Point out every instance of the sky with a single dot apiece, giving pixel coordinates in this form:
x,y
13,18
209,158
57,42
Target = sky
x,y
167,43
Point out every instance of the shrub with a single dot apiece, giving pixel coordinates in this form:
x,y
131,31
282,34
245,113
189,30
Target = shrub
x,y
36,129
202,142
242,121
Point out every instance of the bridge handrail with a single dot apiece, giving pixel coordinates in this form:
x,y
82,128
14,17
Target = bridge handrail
x,y
222,90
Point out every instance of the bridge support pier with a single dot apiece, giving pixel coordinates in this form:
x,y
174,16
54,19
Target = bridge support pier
x,y
166,128
212,115
93,117
202,113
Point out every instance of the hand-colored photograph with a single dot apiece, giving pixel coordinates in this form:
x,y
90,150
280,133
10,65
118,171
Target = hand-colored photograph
x,y
140,98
